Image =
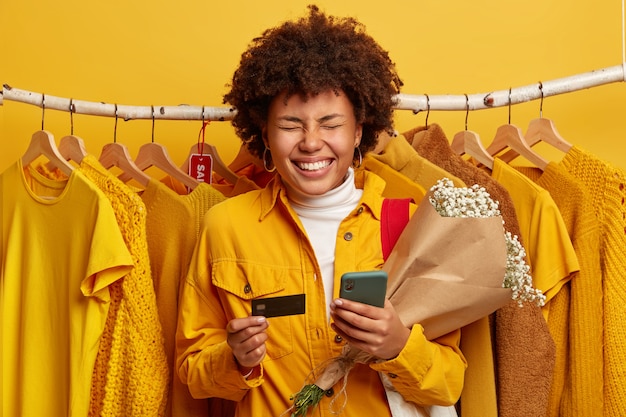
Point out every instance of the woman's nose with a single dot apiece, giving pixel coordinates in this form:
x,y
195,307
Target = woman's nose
x,y
311,140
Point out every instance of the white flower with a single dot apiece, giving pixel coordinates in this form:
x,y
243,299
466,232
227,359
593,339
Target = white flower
x,y
475,201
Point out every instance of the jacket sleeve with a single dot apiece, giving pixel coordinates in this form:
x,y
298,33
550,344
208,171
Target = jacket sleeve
x,y
204,360
436,367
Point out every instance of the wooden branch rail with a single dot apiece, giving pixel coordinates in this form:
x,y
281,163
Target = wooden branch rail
x,y
415,103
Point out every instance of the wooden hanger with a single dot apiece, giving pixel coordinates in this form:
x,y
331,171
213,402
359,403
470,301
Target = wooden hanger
x,y
541,130
468,142
42,144
510,136
72,148
154,154
117,155
219,167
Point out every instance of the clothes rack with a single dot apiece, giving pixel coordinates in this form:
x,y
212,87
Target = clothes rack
x,y
416,103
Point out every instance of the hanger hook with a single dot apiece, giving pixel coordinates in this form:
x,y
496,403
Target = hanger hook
x,y
152,107
115,128
509,105
201,143
43,109
71,116
541,102
427,108
466,110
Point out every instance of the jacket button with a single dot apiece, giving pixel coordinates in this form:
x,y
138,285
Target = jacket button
x,y
247,288
360,210
338,339
348,236
329,392
393,375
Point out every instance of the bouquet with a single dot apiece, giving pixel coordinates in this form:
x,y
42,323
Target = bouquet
x,y
455,256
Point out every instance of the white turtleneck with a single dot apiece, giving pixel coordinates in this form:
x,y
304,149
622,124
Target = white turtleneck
x,y
321,216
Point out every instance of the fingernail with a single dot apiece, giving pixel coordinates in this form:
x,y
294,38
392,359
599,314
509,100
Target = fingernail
x,y
261,319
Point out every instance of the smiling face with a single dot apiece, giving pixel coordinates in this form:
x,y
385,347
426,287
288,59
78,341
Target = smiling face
x,y
312,142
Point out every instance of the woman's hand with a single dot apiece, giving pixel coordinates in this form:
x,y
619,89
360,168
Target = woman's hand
x,y
377,331
246,338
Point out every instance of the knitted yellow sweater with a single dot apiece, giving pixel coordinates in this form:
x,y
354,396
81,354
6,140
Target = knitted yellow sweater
x,y
575,313
131,374
173,225
606,185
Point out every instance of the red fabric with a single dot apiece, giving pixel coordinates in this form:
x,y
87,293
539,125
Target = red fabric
x,y
394,216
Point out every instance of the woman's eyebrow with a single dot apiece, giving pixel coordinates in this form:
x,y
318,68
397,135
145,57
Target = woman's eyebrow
x,y
291,119
329,117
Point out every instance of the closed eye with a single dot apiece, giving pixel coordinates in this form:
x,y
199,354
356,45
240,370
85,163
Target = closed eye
x,y
289,128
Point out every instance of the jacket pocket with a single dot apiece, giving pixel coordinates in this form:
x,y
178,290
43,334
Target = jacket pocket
x,y
242,282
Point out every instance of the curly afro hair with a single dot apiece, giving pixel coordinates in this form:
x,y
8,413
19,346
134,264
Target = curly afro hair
x,y
308,56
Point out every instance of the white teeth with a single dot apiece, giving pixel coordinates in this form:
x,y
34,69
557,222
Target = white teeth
x,y
313,166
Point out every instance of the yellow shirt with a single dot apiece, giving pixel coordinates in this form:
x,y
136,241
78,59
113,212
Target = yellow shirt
x,y
61,249
253,245
398,185
399,155
549,248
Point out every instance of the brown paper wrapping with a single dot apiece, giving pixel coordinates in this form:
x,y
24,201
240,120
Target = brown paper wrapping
x,y
444,273
447,272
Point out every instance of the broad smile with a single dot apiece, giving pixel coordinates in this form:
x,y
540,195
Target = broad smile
x,y
313,166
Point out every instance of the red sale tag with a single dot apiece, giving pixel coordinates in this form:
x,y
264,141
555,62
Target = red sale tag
x,y
201,167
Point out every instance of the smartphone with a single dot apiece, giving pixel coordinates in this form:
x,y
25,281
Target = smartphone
x,y
369,287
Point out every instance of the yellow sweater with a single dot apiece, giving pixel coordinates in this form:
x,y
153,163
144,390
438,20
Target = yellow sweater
x,y
131,374
606,185
575,318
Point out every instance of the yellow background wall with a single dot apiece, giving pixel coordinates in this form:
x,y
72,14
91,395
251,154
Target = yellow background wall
x,y
184,52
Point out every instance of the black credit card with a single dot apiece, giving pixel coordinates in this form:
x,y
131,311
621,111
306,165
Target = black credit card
x,y
278,306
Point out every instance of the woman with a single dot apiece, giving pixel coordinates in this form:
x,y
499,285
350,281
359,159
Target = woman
x,y
311,97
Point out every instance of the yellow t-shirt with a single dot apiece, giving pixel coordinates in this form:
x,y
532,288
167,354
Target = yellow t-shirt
x,y
61,249
549,249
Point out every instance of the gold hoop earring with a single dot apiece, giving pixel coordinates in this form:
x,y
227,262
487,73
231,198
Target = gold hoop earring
x,y
265,164
358,150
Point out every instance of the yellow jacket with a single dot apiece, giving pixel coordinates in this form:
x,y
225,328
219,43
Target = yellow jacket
x,y
254,245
